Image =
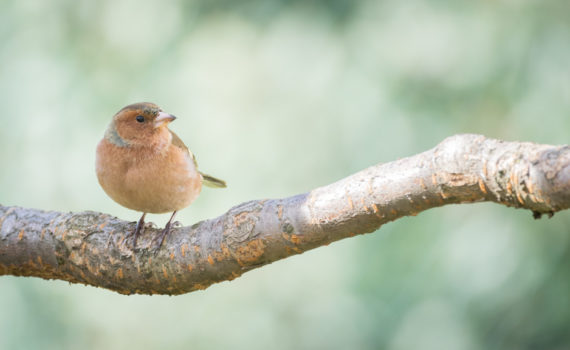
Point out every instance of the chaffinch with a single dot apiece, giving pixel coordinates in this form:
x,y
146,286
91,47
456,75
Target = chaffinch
x,y
144,166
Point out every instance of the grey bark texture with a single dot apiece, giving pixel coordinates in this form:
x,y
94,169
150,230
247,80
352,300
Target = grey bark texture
x,y
90,247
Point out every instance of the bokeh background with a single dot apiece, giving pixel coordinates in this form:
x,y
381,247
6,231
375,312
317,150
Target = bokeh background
x,y
278,97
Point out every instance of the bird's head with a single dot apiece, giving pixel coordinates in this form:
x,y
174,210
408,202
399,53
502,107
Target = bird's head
x,y
139,124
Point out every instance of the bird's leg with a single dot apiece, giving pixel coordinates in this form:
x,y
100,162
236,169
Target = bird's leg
x,y
138,229
166,229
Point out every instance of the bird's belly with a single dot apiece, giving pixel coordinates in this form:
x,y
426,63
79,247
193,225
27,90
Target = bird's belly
x,y
153,189
162,184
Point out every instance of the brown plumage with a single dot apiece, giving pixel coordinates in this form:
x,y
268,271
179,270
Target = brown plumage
x,y
144,166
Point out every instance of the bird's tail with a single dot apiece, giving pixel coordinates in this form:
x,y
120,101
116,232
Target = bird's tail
x,y
211,181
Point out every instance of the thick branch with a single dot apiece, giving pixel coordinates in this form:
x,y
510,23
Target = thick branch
x,y
89,247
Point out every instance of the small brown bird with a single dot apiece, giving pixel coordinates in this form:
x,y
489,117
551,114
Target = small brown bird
x,y
144,166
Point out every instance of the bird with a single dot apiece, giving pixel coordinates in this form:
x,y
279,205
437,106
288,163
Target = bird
x,y
144,166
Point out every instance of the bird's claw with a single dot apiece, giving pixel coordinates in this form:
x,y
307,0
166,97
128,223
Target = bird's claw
x,y
139,228
159,239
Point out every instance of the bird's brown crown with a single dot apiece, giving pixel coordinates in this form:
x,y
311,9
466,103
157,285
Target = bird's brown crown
x,y
144,107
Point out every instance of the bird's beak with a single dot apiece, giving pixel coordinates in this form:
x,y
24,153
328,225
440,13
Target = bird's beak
x,y
163,119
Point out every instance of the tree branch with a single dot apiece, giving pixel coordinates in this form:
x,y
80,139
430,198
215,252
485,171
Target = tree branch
x,y
89,247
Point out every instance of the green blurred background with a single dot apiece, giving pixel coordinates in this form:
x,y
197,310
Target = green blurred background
x,y
278,97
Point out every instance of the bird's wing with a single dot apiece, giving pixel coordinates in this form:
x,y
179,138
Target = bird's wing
x,y
176,141
208,180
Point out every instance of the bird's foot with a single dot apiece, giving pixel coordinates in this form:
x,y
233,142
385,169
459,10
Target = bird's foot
x,y
166,231
160,238
136,232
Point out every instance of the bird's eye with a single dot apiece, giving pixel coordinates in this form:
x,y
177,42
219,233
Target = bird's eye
x,y
140,118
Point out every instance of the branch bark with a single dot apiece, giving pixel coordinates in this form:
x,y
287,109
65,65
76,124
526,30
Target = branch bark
x,y
90,247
